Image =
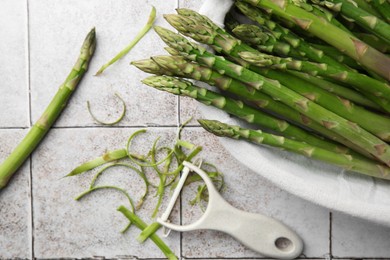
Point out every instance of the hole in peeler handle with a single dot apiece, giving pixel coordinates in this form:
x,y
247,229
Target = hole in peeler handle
x,y
284,244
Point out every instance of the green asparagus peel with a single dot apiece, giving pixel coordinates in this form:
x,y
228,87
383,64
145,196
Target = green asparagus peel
x,y
236,108
116,120
366,20
138,171
350,45
202,29
360,81
49,116
138,37
105,158
341,126
364,166
142,225
182,68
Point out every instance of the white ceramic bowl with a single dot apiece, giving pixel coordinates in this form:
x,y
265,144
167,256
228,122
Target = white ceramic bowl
x,y
318,182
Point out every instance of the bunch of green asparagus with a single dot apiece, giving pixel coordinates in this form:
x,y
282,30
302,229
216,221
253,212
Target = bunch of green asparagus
x,y
310,77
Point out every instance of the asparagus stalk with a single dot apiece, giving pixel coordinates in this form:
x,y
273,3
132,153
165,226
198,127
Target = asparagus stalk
x,y
374,41
341,126
383,7
368,7
337,55
341,91
202,29
286,35
360,165
178,66
238,109
359,81
264,41
350,45
49,116
365,19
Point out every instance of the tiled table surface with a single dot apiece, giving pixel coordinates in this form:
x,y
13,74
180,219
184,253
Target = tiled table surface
x,y
38,216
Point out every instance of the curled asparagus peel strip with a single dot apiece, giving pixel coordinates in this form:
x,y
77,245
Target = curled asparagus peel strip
x,y
116,120
105,158
140,35
365,166
142,225
51,113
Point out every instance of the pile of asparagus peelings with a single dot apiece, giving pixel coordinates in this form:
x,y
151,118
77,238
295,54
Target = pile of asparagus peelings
x,y
315,75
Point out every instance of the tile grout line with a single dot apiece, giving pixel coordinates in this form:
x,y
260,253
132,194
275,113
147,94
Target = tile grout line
x,y
177,5
30,125
330,234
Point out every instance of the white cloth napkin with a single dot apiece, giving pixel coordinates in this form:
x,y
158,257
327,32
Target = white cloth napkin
x,y
321,183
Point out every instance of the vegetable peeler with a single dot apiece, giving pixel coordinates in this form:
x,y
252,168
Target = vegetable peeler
x,y
262,234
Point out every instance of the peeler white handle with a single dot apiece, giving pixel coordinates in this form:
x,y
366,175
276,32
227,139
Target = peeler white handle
x,y
262,234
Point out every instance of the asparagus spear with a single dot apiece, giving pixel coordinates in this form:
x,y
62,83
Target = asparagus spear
x,y
341,126
365,166
178,66
383,7
202,29
360,81
52,112
350,45
239,109
365,19
341,91
337,55
368,6
374,41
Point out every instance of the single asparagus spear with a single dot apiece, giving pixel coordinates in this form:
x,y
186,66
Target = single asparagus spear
x,y
180,67
364,166
337,55
238,109
202,29
350,45
365,19
368,6
338,90
341,126
374,41
49,116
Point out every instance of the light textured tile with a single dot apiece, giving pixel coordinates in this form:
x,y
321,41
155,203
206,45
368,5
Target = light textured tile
x,y
353,237
90,227
13,71
15,220
250,192
57,30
